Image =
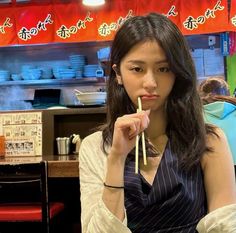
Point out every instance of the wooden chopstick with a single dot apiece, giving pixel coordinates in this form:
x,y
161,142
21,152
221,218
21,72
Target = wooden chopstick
x,y
137,143
136,154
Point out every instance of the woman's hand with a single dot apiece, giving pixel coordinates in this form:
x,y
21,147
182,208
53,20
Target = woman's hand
x,y
126,129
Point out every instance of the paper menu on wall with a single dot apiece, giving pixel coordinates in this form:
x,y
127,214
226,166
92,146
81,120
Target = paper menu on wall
x,y
197,55
23,133
213,62
208,62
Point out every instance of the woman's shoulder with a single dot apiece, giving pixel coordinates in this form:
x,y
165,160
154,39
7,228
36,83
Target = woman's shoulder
x,y
92,159
93,138
91,152
216,138
92,145
216,134
217,144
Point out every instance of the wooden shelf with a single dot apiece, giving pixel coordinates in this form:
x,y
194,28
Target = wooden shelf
x,y
65,122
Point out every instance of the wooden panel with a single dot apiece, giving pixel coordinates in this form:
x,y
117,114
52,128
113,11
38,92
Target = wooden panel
x,y
63,168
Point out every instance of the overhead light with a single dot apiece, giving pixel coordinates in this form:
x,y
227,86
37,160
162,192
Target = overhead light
x,y
93,2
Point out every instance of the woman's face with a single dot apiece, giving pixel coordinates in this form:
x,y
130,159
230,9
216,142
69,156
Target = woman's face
x,y
145,72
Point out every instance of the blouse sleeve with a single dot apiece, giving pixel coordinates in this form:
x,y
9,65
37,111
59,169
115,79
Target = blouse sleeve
x,y
95,216
221,220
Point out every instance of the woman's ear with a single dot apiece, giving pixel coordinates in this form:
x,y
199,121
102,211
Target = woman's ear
x,y
118,75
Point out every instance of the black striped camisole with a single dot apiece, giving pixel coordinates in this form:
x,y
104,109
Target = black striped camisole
x,y
174,203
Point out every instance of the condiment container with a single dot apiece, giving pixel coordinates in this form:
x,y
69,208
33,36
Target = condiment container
x,y
63,145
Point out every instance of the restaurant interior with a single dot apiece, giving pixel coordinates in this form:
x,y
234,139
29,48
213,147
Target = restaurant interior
x,y
52,53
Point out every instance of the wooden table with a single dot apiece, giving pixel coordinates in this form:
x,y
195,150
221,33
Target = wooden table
x,y
62,165
58,165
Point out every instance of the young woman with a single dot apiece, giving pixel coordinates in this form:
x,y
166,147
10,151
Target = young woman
x,y
189,178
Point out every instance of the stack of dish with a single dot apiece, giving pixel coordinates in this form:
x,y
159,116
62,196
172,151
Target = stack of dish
x,y
34,74
57,70
77,61
79,74
4,75
66,73
16,77
90,70
46,72
29,72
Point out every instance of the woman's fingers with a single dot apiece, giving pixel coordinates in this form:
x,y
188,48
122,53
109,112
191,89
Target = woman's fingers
x,y
134,124
134,128
126,129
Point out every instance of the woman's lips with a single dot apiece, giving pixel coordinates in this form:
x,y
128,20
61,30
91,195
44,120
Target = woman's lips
x,y
149,97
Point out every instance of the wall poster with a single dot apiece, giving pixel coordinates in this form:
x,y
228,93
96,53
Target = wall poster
x,y
23,133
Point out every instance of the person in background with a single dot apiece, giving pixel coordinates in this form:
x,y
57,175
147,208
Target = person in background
x,y
188,184
220,108
214,85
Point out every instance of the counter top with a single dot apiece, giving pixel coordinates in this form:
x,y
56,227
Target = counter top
x,y
62,165
58,165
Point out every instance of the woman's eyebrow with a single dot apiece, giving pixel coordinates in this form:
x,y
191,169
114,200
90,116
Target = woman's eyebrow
x,y
143,62
136,61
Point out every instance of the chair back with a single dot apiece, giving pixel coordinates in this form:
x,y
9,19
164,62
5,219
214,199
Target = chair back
x,y
24,193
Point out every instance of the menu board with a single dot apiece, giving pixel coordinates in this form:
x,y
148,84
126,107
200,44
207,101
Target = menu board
x,y
213,62
23,133
208,62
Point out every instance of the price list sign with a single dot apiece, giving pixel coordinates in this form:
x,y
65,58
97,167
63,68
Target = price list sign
x,y
23,133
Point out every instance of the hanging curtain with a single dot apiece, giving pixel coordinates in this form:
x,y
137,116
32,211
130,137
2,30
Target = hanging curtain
x,y
57,21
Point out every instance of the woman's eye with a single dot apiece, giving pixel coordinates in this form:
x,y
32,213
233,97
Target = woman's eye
x,y
136,69
164,69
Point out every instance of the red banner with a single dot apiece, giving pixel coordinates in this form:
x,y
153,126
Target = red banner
x,y
74,22
232,16
112,16
34,24
169,8
56,21
200,17
7,27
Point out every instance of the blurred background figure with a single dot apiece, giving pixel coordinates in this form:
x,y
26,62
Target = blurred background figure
x,y
220,108
215,85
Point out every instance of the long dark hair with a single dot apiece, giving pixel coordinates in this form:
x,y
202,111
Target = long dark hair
x,y
185,129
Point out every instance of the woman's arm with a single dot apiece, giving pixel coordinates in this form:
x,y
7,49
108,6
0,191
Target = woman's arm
x,y
102,208
95,216
218,169
126,129
220,185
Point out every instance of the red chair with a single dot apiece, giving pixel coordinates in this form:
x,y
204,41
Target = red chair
x,y
24,195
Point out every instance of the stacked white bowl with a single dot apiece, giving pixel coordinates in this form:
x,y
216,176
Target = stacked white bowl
x,y
77,61
4,75
67,73
46,72
30,72
16,77
90,70
56,68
